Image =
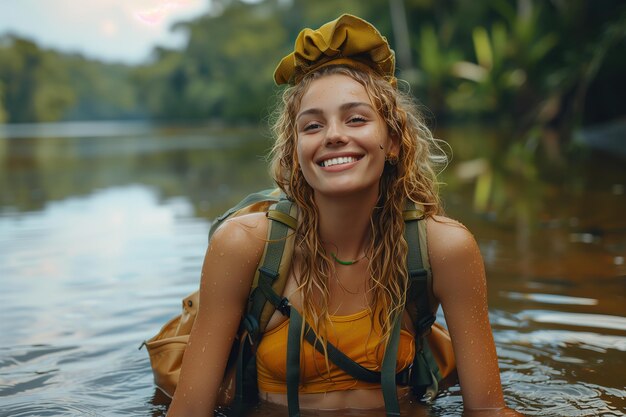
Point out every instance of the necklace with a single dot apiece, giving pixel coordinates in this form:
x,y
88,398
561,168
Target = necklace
x,y
346,263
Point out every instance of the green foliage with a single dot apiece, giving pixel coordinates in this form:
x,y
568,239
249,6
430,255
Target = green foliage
x,y
3,113
37,85
518,65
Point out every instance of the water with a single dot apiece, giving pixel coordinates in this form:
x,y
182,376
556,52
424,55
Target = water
x,y
101,235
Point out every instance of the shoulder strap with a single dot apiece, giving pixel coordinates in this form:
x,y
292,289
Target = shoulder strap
x,y
269,280
425,375
418,291
271,277
420,301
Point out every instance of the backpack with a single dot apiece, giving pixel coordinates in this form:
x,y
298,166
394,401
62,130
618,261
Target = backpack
x,y
434,359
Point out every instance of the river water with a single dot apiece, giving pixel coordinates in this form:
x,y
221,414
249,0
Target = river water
x,y
103,228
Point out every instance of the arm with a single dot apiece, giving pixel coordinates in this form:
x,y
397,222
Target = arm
x,y
229,266
459,283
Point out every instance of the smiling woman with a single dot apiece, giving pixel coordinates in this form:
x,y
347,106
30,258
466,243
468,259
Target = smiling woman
x,y
372,260
342,141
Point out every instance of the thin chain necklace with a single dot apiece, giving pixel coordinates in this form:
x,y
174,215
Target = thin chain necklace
x,y
346,263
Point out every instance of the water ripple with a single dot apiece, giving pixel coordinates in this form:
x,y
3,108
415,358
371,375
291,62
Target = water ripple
x,y
602,321
550,298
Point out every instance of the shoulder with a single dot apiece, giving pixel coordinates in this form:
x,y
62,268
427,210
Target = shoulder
x,y
241,232
234,251
447,236
455,258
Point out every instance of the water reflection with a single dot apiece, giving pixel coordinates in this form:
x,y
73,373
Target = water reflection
x,y
550,298
212,169
100,237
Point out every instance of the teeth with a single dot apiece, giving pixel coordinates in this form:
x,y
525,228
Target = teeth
x,y
338,161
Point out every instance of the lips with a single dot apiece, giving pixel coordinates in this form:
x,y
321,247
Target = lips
x,y
337,161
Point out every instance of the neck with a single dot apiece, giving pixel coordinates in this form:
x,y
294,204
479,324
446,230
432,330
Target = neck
x,y
344,224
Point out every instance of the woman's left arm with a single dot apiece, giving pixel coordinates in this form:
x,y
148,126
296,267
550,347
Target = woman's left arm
x,y
459,283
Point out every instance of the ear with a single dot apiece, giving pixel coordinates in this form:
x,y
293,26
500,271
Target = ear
x,y
394,145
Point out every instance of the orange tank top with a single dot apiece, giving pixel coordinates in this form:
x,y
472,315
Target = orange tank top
x,y
350,334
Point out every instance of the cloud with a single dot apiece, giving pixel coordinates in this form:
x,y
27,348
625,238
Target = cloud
x,y
156,15
95,27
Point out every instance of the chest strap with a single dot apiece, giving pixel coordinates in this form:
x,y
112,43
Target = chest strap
x,y
387,377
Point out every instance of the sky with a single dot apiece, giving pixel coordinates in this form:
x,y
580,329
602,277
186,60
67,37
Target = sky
x,y
109,30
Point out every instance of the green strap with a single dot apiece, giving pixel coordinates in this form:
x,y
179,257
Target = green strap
x,y
425,373
387,377
388,370
293,362
269,270
343,361
283,218
339,358
243,355
263,292
418,276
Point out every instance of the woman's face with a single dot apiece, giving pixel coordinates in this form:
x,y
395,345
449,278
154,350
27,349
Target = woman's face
x,y
339,138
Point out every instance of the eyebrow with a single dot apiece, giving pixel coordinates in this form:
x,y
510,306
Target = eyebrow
x,y
343,107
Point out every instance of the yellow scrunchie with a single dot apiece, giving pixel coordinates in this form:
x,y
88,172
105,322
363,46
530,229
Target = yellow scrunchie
x,y
347,40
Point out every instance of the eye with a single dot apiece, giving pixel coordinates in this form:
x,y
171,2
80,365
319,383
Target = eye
x,y
311,126
357,119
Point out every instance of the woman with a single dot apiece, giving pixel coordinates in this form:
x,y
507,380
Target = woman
x,y
350,150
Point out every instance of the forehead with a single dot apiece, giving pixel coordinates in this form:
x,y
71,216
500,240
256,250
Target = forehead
x,y
332,91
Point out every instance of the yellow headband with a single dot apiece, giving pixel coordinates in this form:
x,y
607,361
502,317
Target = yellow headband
x,y
347,40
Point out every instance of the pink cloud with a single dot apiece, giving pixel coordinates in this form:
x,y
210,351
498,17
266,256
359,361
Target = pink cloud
x,y
155,15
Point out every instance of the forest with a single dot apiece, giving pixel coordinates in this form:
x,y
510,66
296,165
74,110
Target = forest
x,y
523,66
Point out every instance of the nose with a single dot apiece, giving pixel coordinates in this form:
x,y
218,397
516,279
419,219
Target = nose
x,y
335,134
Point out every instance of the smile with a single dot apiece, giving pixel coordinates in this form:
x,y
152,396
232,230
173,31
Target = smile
x,y
338,161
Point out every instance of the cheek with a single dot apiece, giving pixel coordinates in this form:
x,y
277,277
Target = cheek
x,y
302,156
299,153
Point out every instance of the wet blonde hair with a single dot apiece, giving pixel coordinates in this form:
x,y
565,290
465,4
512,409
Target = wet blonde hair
x,y
413,178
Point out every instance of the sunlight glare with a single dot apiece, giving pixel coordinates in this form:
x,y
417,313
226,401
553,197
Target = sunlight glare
x,y
155,15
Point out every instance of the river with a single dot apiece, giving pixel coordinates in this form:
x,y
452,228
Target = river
x,y
103,227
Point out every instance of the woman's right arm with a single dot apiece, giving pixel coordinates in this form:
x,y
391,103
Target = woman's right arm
x,y
229,266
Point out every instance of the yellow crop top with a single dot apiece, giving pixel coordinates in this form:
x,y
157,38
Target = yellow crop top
x,y
349,334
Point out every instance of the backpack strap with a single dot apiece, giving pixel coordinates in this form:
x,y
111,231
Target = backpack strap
x,y
419,290
293,362
270,279
266,294
388,370
424,369
386,377
425,375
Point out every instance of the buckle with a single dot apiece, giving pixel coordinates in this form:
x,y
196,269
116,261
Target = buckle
x,y
404,376
251,325
284,307
417,273
425,323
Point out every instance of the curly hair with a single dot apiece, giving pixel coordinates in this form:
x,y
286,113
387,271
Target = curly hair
x,y
413,178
